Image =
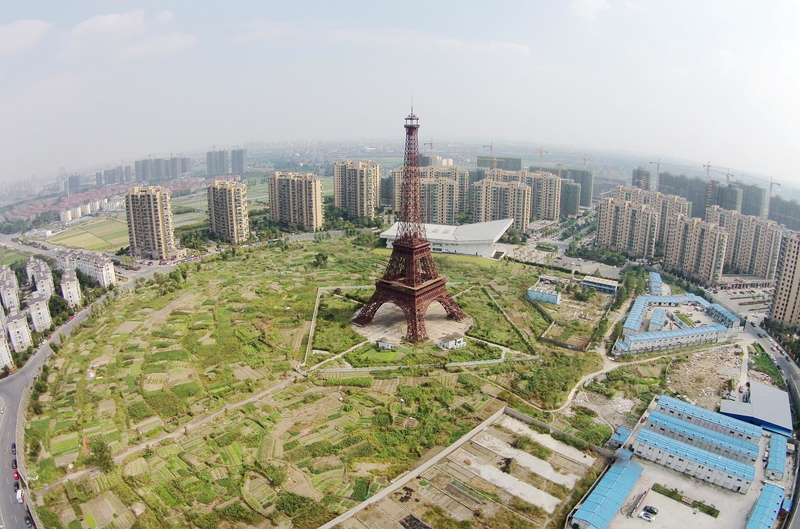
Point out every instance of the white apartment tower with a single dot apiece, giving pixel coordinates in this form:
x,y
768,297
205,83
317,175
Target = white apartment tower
x,y
18,331
150,222
40,312
227,211
5,353
9,288
786,302
695,248
356,187
71,288
296,200
39,272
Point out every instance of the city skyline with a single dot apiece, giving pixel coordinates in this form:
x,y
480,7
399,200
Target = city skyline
x,y
598,74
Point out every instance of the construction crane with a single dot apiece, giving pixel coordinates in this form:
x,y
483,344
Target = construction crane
x,y
491,153
542,152
585,159
559,164
431,144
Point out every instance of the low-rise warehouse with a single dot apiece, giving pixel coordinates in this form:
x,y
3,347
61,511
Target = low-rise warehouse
x,y
544,294
695,435
657,320
656,285
767,508
694,461
708,419
602,284
723,315
767,407
607,497
776,462
659,341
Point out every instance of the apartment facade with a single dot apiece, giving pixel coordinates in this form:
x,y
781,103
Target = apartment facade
x,y
19,334
71,288
624,226
5,353
570,198
357,187
95,265
545,191
754,244
665,205
39,272
9,288
640,179
217,163
238,161
40,312
786,301
227,211
695,248
150,222
439,196
461,199
296,199
495,200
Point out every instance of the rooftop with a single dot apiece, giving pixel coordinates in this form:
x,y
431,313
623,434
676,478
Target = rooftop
x,y
777,453
601,281
704,434
609,494
768,406
675,333
710,416
481,232
767,508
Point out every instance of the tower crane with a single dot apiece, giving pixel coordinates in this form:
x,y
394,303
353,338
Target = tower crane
x,y
491,153
431,144
585,159
542,152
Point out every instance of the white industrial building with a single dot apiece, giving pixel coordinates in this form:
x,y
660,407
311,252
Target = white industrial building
x,y
467,239
18,331
40,312
96,266
71,288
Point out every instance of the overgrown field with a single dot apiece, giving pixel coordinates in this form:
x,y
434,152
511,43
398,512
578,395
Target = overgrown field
x,y
189,383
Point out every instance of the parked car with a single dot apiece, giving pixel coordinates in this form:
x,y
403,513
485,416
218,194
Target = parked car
x,y
14,463
13,448
16,474
28,522
652,510
646,516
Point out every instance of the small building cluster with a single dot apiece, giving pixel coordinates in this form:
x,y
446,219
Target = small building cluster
x,y
96,266
665,330
91,207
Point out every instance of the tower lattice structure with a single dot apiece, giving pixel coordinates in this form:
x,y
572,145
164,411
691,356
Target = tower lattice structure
x,y
411,280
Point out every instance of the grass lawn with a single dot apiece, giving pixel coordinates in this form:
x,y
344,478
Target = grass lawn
x,y
99,234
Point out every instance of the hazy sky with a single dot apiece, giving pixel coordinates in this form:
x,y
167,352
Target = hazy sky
x,y
93,82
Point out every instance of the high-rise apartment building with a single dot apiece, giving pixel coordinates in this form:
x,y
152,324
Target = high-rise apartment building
x,y
227,211
238,161
753,199
570,198
74,184
785,212
496,200
5,353
150,222
95,265
695,248
296,200
357,187
641,178
39,272
439,196
456,175
665,205
584,177
786,301
754,244
9,288
18,331
545,191
216,163
625,226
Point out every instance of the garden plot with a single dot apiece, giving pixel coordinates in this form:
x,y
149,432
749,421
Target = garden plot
x,y
105,509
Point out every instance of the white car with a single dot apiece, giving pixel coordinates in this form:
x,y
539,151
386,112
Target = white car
x,y
647,516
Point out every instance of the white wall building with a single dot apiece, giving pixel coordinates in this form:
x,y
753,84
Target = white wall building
x,y
5,353
71,288
40,312
95,265
18,331
9,288
468,239
39,272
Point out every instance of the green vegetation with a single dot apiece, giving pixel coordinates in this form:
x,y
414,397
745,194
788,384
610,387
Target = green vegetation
x,y
677,496
761,361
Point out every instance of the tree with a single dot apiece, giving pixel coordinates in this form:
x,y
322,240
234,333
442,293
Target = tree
x,y
101,454
321,260
57,305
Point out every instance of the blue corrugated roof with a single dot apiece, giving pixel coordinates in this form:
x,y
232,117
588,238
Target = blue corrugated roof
x,y
767,508
659,317
656,288
692,298
635,318
777,453
704,434
710,416
724,313
698,455
675,333
621,435
609,494
655,278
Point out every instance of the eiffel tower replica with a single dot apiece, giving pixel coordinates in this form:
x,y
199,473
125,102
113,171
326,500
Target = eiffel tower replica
x,y
411,281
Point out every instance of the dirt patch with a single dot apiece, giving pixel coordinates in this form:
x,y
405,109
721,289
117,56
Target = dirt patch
x,y
705,376
610,411
296,482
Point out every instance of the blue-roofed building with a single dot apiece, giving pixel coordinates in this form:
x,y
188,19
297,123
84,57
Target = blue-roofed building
x,y
767,508
607,497
694,461
708,419
619,438
723,315
695,435
609,286
768,408
697,300
673,339
657,320
776,463
544,294
655,283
